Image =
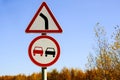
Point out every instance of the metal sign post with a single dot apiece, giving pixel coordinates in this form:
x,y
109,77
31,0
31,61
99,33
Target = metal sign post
x,y
44,73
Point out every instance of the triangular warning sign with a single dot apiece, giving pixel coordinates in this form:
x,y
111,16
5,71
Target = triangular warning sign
x,y
43,22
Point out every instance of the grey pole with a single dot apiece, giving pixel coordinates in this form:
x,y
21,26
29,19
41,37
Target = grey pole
x,y
44,73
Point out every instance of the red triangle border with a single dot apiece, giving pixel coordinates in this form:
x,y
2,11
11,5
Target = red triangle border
x,y
43,31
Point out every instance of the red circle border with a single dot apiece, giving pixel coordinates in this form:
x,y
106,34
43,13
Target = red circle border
x,y
41,64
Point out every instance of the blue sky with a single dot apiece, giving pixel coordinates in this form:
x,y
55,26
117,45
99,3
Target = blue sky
x,y
77,18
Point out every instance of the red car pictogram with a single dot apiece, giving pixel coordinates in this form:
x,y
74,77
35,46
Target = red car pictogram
x,y
38,50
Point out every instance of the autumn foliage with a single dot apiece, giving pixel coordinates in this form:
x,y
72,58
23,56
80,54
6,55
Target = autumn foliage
x,y
67,74
64,74
105,64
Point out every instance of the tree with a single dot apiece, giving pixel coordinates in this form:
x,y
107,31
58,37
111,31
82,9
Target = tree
x,y
77,74
54,75
65,74
115,49
34,76
20,77
106,63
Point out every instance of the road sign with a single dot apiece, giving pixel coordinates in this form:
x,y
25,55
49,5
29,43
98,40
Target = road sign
x,y
43,21
44,51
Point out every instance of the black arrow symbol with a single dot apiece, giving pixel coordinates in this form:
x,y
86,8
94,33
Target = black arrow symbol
x,y
45,19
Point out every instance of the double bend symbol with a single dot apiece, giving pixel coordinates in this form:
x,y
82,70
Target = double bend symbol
x,y
45,19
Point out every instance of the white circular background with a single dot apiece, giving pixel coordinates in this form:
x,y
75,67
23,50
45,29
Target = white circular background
x,y
44,43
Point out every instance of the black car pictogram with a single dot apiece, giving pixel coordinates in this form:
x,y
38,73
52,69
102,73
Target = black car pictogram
x,y
50,51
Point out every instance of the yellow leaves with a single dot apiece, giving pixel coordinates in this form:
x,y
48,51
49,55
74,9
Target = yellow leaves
x,y
116,45
64,74
70,74
99,30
